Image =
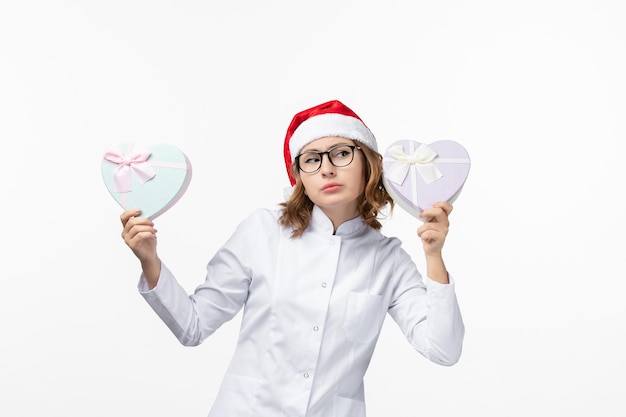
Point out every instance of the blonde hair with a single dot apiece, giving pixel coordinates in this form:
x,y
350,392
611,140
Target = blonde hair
x,y
296,212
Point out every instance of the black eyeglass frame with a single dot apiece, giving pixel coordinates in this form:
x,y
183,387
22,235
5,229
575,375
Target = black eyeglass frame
x,y
327,153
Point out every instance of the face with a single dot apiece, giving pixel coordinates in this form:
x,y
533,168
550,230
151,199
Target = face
x,y
335,189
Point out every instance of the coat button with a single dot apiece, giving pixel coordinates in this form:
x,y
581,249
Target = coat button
x,y
315,328
306,375
324,285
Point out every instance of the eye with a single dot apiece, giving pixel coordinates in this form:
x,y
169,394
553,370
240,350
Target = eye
x,y
342,152
310,158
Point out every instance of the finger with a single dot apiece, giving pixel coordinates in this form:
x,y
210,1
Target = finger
x,y
432,237
439,205
428,234
131,230
432,227
445,206
137,221
435,215
424,227
139,237
139,228
128,214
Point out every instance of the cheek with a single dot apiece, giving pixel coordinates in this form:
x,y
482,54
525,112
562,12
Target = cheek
x,y
363,176
306,184
362,185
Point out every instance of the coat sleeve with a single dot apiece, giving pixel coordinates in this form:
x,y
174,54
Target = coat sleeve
x,y
427,312
192,318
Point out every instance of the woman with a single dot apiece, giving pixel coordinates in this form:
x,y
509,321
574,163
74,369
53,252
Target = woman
x,y
314,278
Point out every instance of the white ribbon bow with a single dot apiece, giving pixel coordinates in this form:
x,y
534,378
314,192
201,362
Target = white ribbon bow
x,y
422,159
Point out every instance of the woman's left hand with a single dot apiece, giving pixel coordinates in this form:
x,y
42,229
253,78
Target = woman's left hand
x,y
434,231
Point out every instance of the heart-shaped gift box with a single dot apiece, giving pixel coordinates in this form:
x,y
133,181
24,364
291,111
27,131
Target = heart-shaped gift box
x,y
151,179
417,175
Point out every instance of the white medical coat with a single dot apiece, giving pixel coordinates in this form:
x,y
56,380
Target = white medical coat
x,y
313,310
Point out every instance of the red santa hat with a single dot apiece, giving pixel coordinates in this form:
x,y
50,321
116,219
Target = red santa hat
x,y
332,118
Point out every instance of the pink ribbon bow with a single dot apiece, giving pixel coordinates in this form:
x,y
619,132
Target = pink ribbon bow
x,y
136,161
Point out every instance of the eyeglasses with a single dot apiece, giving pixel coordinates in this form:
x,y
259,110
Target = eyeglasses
x,y
340,156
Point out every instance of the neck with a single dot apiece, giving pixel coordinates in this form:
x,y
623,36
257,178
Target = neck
x,y
339,215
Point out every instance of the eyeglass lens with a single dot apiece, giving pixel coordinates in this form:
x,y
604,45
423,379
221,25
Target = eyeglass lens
x,y
339,156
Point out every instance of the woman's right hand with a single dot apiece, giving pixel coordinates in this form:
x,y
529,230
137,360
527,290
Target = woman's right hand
x,y
140,236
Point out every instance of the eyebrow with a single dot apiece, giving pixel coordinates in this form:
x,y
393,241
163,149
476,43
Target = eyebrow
x,y
330,147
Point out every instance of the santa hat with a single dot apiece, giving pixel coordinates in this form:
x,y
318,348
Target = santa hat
x,y
332,118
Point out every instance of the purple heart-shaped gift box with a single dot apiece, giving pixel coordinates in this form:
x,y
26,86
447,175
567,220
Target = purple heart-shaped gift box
x,y
417,175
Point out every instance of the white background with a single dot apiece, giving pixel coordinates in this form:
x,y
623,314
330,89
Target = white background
x,y
534,90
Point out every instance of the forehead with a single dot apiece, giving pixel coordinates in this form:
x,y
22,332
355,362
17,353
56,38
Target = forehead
x,y
325,143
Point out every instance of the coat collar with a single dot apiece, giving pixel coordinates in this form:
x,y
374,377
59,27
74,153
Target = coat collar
x,y
320,223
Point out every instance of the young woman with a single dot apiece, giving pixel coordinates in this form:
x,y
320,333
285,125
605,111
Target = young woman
x,y
315,279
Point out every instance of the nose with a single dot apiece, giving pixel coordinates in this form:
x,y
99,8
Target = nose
x,y
327,168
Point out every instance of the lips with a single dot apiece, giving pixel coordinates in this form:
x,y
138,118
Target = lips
x,y
331,186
